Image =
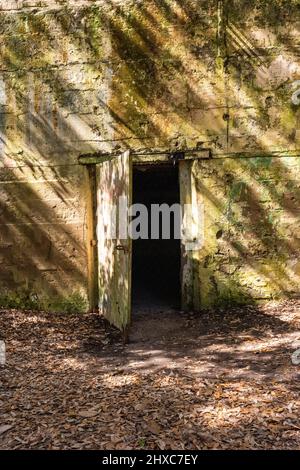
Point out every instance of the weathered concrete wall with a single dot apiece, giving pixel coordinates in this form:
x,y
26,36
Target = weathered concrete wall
x,y
96,75
252,237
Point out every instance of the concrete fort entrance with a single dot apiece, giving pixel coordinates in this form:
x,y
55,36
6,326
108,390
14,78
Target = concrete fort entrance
x,y
129,271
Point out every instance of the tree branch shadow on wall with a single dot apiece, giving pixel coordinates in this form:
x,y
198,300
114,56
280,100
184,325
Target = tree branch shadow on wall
x,y
223,382
137,45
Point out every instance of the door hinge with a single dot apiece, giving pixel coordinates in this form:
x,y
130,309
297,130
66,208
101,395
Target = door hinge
x,y
122,248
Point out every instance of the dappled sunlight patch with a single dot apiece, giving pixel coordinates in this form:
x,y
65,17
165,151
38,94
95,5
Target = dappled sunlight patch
x,y
65,373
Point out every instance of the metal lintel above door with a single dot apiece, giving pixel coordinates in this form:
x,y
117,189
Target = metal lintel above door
x,y
150,157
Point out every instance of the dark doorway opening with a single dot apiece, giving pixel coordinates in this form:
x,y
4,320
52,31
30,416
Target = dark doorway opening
x,y
156,263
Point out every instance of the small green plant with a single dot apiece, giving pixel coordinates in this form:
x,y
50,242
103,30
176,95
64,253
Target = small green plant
x,y
141,442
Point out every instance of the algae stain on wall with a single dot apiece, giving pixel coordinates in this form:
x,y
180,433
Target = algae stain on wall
x,y
142,75
251,238
2,118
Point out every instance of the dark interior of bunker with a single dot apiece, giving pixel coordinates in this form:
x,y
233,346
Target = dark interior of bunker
x,y
156,262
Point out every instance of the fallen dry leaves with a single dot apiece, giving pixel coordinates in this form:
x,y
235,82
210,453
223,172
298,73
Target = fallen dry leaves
x,y
224,380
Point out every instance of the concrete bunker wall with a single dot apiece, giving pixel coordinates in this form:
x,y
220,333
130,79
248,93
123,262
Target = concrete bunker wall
x,y
88,76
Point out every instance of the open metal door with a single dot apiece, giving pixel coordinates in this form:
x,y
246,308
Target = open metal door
x,y
114,197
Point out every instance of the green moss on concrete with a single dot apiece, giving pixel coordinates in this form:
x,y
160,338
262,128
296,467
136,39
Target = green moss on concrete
x,y
94,24
73,303
159,54
260,162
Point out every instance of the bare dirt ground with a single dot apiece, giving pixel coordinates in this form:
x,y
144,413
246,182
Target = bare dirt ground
x,y
216,380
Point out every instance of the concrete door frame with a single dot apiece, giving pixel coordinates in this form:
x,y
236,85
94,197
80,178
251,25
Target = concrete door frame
x,y
188,195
